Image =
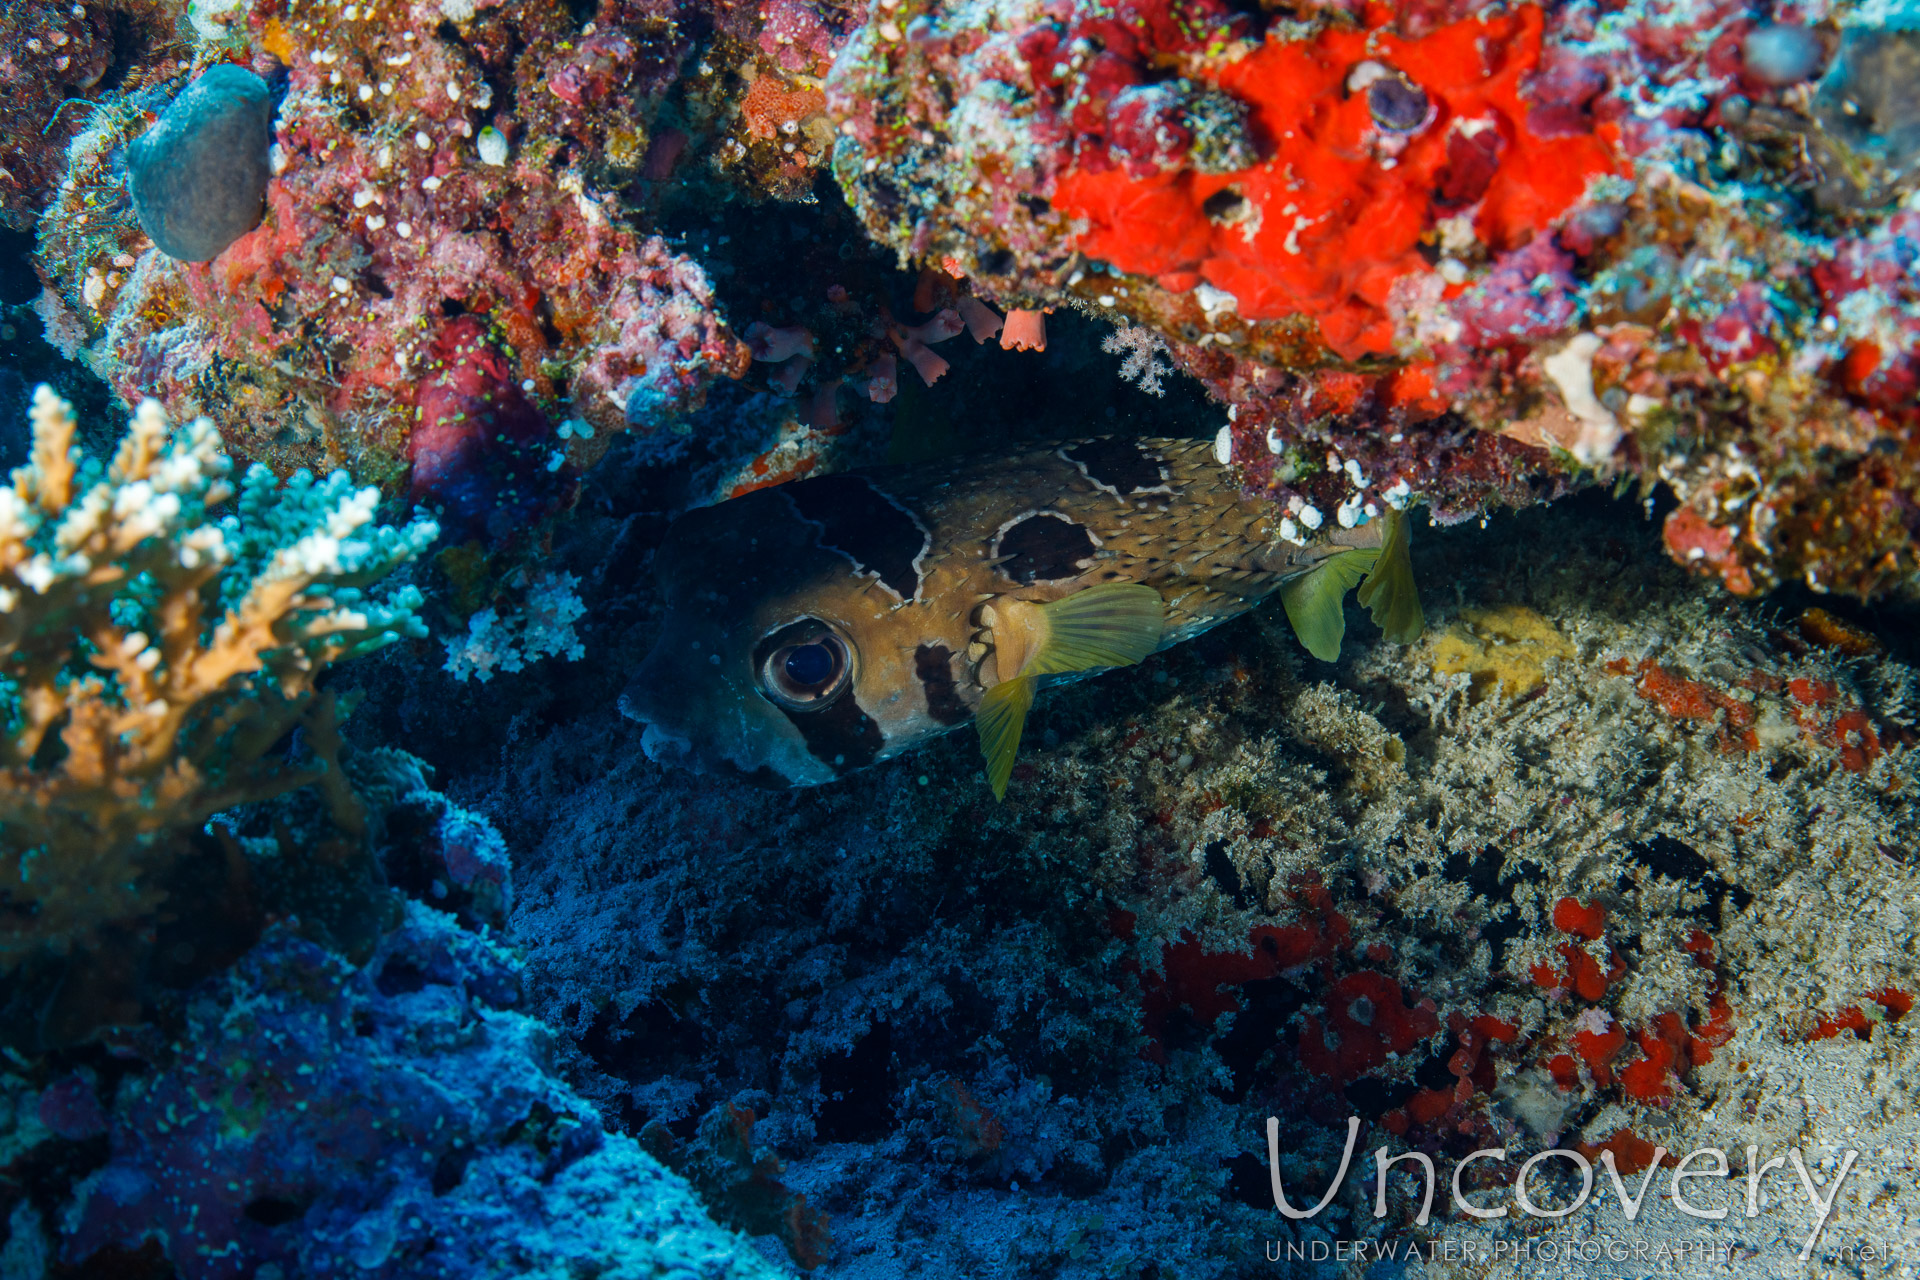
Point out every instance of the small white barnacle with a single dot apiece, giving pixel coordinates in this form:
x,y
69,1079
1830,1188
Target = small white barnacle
x,y
492,146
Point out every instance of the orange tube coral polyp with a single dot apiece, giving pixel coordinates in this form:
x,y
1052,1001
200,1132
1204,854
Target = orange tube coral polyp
x,y
1334,221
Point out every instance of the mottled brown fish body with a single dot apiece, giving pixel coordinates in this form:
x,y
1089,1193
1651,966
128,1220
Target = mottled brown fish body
x,y
887,571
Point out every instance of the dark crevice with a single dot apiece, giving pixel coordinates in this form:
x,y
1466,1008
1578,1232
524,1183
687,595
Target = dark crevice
x,y
1672,859
1221,870
857,1090
272,1211
1267,1005
130,44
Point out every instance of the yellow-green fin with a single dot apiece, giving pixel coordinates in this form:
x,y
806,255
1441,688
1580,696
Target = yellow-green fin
x,y
1389,591
1001,717
1314,600
1112,625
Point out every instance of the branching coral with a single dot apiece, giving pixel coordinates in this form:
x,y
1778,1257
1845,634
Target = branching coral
x,y
154,653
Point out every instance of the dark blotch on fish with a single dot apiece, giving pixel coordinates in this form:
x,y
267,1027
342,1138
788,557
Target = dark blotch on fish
x,y
933,665
1045,547
840,735
1119,466
861,523
198,177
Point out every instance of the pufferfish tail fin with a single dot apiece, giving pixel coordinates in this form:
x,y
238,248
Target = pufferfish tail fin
x,y
1389,591
1384,575
1112,625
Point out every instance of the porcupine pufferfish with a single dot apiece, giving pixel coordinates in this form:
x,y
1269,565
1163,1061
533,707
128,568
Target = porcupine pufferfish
x,y
823,625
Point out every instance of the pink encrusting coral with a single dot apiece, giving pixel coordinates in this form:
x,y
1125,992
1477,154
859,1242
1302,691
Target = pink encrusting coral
x,y
482,454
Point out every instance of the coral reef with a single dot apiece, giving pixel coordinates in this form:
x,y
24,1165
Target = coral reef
x,y
1610,861
60,62
440,215
1490,254
393,1113
392,1119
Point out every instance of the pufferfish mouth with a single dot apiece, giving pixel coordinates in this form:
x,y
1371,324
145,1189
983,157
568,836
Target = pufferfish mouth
x,y
665,745
694,719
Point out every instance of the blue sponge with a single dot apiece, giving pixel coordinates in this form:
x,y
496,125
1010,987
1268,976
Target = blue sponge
x,y
199,176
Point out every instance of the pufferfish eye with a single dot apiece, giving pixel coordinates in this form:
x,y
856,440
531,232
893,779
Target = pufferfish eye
x,y
805,666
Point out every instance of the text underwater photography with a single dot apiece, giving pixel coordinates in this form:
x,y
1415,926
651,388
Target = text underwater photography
x,y
1561,1219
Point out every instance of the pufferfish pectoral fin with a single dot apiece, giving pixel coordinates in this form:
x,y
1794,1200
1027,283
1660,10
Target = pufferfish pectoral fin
x,y
1001,717
1111,625
1314,600
1389,591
